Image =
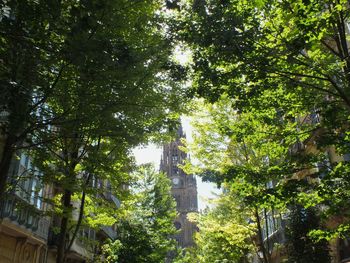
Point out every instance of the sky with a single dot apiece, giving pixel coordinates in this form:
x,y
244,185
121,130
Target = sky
x,y
152,154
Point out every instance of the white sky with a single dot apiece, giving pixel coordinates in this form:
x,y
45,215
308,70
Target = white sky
x,y
152,154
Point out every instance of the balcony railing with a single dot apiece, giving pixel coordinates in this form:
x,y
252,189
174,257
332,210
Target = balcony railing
x,y
109,196
24,215
109,232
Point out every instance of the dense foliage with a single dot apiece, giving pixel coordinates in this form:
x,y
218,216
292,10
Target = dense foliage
x,y
82,82
144,235
79,90
299,245
73,63
273,125
225,234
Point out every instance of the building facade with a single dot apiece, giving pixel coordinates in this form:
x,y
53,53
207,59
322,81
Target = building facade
x,y
27,227
183,189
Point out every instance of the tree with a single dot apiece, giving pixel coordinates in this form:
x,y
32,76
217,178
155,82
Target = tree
x,y
249,152
87,88
145,235
244,48
32,41
284,69
301,248
225,234
53,52
80,180
134,103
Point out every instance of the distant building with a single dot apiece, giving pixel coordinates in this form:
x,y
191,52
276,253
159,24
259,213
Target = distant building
x,y
184,189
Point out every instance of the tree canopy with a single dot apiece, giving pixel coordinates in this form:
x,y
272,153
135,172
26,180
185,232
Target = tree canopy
x,y
276,73
83,82
82,89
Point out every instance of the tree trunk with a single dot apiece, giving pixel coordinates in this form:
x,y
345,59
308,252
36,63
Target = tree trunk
x,y
5,163
64,226
267,235
260,238
77,227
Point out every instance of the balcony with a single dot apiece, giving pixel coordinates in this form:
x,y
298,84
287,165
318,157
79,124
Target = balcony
x,y
108,195
109,232
25,215
82,247
277,237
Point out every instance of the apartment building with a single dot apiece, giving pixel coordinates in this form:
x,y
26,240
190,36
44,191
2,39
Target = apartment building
x,y
28,233
24,226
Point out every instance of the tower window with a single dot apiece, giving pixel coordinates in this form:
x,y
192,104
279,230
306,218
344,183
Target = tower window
x,y
175,158
177,225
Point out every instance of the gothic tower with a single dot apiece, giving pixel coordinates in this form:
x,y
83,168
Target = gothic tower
x,y
184,189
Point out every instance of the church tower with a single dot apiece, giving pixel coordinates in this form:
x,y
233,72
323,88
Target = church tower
x,y
184,189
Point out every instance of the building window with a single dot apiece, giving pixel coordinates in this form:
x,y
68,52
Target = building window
x,y
271,223
177,225
348,25
29,186
175,160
